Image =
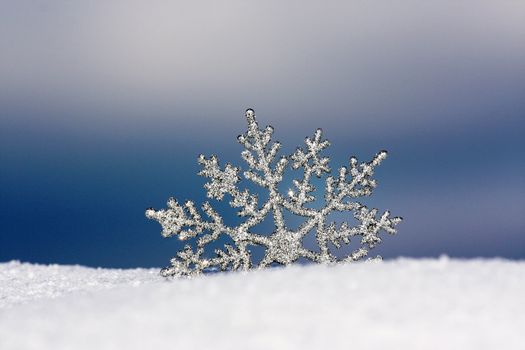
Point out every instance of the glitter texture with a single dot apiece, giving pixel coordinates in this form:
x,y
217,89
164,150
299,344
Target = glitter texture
x,y
283,245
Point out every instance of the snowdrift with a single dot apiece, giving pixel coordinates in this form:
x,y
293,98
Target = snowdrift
x,y
399,304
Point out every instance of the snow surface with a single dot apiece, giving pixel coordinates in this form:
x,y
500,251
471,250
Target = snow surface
x,y
400,304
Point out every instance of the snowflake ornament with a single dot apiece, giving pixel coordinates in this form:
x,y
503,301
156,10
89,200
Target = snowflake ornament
x,y
283,245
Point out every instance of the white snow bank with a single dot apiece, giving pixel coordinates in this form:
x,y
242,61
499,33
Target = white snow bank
x,y
22,283
409,304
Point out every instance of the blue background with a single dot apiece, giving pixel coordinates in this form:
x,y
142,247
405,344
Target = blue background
x,y
105,106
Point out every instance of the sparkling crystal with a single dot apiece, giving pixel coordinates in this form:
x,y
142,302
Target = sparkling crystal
x,y
283,245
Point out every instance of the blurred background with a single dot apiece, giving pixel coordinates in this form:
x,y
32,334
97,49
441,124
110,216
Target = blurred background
x,y
105,105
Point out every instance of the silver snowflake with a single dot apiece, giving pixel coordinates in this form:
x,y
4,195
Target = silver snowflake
x,y
283,245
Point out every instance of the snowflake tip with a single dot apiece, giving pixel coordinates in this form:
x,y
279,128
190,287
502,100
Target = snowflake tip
x,y
249,111
172,203
382,155
150,213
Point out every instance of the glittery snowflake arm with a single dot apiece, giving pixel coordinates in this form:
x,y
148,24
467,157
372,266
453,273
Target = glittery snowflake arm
x,y
189,262
225,182
259,154
340,193
264,171
177,217
312,163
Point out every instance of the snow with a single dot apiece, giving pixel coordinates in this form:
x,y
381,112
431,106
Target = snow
x,y
404,303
